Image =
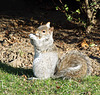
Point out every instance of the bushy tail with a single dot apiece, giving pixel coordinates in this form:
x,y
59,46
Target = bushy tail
x,y
73,69
73,64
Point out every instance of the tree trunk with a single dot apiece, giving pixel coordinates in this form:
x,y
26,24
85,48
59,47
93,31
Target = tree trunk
x,y
91,12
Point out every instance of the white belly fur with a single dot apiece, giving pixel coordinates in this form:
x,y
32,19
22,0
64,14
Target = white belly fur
x,y
44,65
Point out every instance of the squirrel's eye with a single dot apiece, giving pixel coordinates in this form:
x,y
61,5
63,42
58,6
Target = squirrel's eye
x,y
43,31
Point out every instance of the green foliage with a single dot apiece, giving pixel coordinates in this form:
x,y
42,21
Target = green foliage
x,y
66,7
78,0
78,11
68,13
69,17
57,8
88,8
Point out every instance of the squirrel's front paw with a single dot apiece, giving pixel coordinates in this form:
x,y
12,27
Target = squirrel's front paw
x,y
32,36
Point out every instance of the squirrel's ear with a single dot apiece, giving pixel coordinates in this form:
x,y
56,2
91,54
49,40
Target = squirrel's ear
x,y
51,29
48,24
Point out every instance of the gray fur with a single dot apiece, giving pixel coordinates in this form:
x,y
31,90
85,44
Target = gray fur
x,y
46,64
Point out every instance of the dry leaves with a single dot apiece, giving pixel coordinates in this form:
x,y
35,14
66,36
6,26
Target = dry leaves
x,y
24,76
84,44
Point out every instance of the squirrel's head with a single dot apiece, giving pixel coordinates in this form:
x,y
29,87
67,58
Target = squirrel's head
x,y
43,36
44,31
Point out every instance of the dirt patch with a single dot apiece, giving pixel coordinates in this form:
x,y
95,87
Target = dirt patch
x,y
17,55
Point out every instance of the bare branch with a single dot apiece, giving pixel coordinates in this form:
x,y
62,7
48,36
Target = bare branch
x,y
89,13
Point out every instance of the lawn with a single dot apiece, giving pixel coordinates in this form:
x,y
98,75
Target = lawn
x,y
13,82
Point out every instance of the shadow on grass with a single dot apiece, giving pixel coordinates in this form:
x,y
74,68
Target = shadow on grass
x,y
16,71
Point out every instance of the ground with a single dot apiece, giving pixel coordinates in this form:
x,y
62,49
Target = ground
x,y
16,25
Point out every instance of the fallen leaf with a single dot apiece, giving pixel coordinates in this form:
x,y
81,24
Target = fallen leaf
x,y
24,76
84,44
91,45
57,87
89,93
69,84
98,48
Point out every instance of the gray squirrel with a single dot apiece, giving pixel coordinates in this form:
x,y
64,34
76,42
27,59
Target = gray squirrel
x,y
46,64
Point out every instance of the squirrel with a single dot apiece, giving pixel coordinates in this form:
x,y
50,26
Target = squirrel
x,y
47,63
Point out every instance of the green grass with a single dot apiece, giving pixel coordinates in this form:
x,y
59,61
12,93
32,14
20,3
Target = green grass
x,y
12,83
